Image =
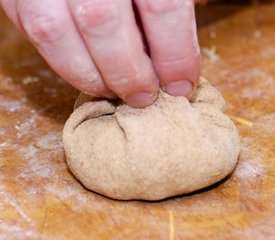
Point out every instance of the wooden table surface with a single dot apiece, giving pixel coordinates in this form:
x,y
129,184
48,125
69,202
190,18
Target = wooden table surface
x,y
39,197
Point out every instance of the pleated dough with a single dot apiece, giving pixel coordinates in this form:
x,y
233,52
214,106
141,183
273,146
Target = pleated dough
x,y
172,147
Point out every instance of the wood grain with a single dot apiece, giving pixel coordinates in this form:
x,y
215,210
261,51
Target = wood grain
x,y
39,197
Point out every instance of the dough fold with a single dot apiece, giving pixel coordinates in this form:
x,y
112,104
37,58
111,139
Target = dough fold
x,y
169,148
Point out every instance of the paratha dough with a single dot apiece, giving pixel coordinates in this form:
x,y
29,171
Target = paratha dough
x,y
169,148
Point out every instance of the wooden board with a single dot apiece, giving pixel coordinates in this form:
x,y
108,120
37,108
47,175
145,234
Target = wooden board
x,y
39,197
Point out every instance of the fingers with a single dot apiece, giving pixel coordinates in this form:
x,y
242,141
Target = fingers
x,y
170,29
113,39
97,47
57,39
10,8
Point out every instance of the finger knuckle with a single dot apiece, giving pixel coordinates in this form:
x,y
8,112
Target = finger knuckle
x,y
172,61
43,28
123,85
182,67
91,83
97,17
120,84
87,79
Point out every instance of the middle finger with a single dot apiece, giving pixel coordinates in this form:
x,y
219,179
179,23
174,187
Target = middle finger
x,y
112,36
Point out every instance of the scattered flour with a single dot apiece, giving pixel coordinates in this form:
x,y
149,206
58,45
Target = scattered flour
x,y
17,231
268,119
249,169
25,128
50,141
67,192
268,52
5,79
6,145
38,166
257,34
13,202
11,105
45,73
258,84
29,80
212,34
253,74
28,62
51,92
211,54
251,93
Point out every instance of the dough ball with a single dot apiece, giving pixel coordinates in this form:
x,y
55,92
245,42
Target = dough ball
x,y
169,148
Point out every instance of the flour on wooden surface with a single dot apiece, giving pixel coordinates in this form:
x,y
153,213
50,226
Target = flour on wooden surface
x,y
17,232
3,131
11,105
26,127
257,34
38,165
211,54
50,141
7,145
252,92
268,52
29,80
249,169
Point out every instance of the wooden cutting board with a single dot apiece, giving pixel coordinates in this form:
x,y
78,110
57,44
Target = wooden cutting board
x,y
39,197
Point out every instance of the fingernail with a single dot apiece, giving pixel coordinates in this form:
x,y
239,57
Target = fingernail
x,y
141,99
179,88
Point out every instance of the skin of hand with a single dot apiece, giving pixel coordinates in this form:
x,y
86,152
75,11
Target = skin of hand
x,y
98,47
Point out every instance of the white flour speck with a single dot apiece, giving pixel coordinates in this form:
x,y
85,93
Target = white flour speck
x,y
212,34
211,54
268,52
2,131
29,80
257,34
6,145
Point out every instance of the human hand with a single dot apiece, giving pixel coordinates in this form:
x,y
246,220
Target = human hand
x,y
97,46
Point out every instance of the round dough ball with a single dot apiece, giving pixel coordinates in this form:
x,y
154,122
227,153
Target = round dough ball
x,y
169,148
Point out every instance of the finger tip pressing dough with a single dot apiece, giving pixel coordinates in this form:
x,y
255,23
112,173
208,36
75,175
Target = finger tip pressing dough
x,y
169,148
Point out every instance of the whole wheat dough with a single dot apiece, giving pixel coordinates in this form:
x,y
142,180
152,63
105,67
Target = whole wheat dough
x,y
169,148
